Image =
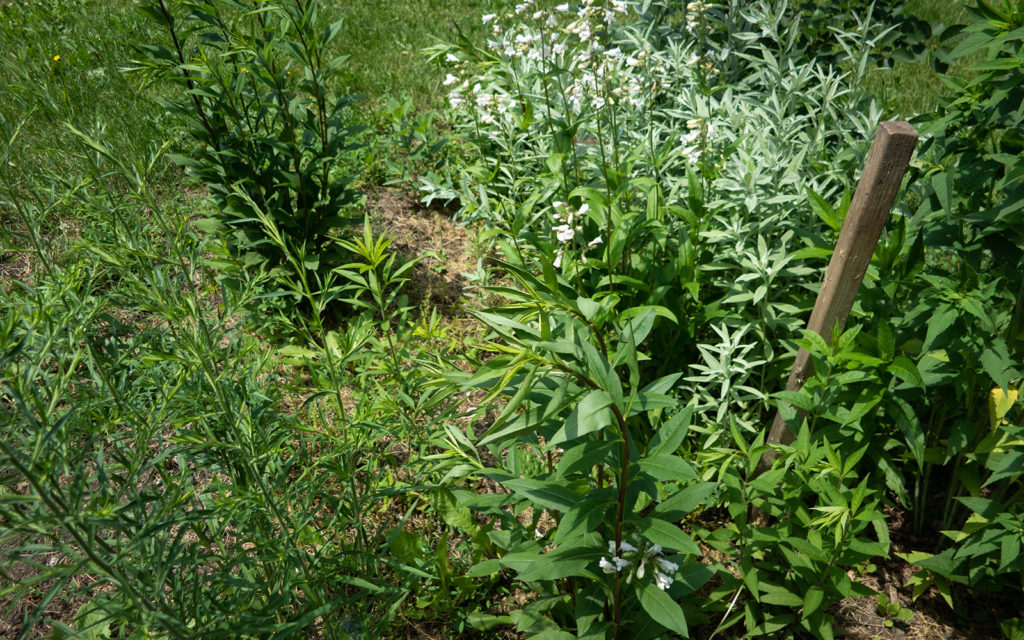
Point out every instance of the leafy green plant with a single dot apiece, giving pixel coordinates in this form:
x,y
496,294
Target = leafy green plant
x,y
586,440
270,133
890,610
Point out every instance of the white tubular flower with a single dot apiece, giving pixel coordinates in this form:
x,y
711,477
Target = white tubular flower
x,y
599,102
451,57
537,15
521,8
487,17
614,52
668,566
655,550
450,80
596,241
663,581
559,49
562,8
624,546
641,569
456,99
556,264
608,567
583,210
564,233
551,22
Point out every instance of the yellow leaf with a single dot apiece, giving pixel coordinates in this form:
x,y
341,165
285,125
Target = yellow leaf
x,y
999,404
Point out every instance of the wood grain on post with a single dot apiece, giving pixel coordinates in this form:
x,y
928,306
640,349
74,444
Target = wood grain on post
x,y
883,173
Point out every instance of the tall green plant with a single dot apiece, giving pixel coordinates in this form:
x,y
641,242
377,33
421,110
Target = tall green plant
x,y
270,133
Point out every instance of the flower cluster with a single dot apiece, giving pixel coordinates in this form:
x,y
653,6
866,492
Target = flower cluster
x,y
650,556
696,139
571,221
568,40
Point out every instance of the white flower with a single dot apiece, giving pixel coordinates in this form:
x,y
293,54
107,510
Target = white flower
x,y
557,263
668,566
564,233
493,44
596,241
451,57
487,17
450,80
551,22
584,209
615,565
522,7
456,99
654,550
487,118
559,49
663,581
562,8
537,15
614,52
599,102
624,546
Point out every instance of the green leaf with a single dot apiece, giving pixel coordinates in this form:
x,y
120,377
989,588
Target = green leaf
x,y
582,457
549,495
1013,629
667,535
662,608
824,210
447,506
905,369
774,594
938,326
813,599
672,432
685,501
667,467
486,621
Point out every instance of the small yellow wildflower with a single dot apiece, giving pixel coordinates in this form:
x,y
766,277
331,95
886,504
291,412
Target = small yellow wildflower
x,y
56,58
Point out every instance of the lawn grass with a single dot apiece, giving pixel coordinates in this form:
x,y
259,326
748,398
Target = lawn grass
x,y
64,62
909,88
384,41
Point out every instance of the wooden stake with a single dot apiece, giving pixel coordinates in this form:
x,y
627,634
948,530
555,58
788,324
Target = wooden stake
x,y
883,172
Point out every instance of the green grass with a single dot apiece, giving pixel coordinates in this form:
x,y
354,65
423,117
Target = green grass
x,y
63,62
383,40
909,88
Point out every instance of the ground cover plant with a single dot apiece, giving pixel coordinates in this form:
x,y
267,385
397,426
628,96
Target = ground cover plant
x,y
229,413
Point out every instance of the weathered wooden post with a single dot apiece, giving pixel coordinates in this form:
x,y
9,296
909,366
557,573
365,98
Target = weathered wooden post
x,y
883,172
